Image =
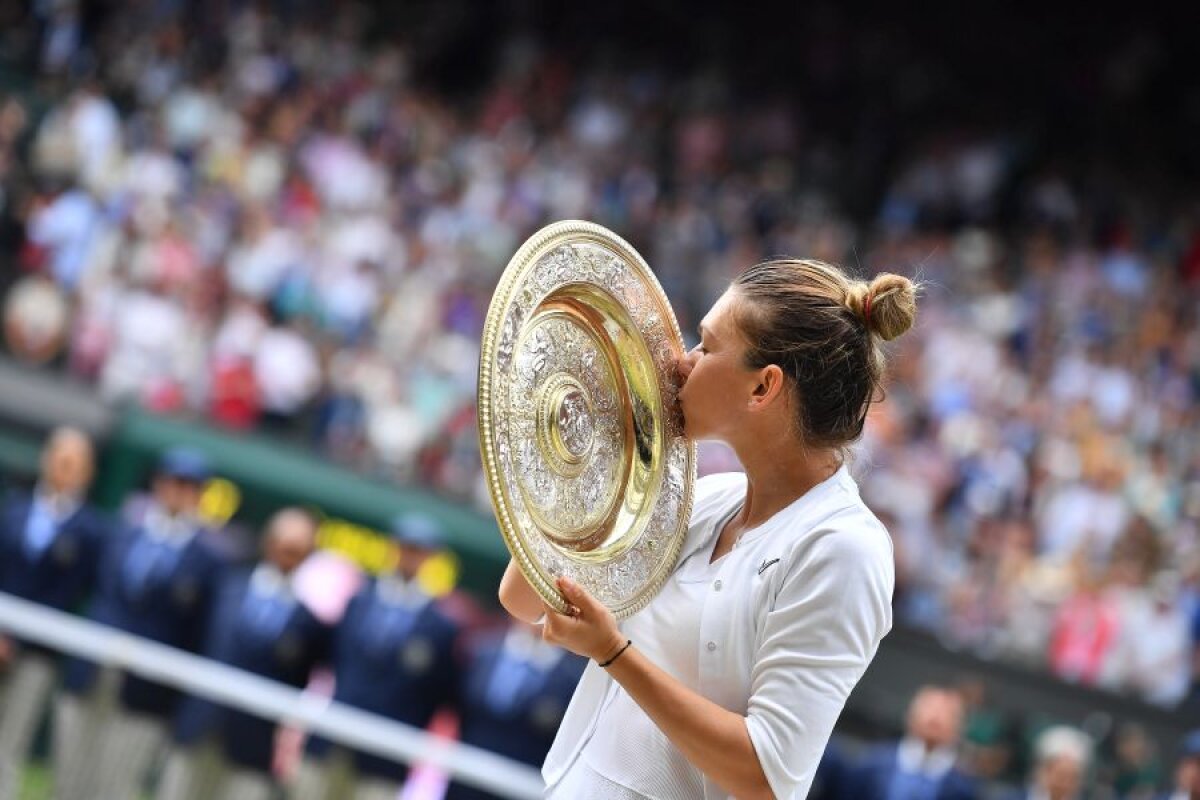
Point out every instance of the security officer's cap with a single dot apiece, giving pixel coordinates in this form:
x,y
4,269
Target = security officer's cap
x,y
185,464
418,530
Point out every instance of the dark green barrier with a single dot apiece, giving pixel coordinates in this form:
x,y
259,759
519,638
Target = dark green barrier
x,y
19,455
269,475
32,402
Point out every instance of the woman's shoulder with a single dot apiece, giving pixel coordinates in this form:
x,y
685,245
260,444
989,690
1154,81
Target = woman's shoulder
x,y
840,561
854,528
847,543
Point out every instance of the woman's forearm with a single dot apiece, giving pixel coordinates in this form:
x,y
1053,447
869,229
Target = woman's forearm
x,y
712,738
518,597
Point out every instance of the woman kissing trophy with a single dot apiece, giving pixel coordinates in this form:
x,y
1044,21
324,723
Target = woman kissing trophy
x,y
727,619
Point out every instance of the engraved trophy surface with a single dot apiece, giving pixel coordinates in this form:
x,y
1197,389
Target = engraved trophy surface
x,y
579,432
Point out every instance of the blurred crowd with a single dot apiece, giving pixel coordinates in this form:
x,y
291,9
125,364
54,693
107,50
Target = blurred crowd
x,y
274,225
944,754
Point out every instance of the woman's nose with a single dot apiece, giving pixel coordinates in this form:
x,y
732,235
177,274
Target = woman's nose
x,y
686,363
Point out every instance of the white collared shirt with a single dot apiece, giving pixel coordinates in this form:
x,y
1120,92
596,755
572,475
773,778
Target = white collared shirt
x,y
47,512
174,529
787,623
395,590
267,580
61,505
912,757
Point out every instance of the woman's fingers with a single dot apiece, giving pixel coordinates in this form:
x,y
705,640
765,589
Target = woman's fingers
x,y
576,596
558,623
585,626
550,631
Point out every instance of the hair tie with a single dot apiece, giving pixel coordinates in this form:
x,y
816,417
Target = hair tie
x,y
617,654
867,310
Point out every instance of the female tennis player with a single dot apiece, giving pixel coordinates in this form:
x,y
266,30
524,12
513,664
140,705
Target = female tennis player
x,y
729,682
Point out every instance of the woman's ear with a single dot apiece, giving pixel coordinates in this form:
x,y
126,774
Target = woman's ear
x,y
769,388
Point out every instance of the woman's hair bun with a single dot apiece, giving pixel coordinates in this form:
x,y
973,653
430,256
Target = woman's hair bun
x,y
887,305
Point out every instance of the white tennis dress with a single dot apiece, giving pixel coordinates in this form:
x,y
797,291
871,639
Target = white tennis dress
x,y
778,630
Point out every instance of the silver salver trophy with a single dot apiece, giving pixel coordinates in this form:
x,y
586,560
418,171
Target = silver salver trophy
x,y
582,443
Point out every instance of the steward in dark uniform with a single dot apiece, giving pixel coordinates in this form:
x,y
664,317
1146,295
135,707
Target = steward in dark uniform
x,y
515,691
259,625
158,573
393,655
49,541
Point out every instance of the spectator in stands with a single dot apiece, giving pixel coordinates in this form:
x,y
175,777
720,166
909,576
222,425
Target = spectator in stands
x,y
1133,770
1153,656
393,654
64,226
1062,755
35,318
986,750
1085,630
924,764
157,579
1187,773
49,540
515,689
259,625
287,372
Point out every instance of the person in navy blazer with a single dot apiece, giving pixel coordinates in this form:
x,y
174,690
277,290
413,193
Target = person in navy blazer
x,y
514,692
1061,758
49,539
1187,770
922,765
393,655
830,781
259,625
157,575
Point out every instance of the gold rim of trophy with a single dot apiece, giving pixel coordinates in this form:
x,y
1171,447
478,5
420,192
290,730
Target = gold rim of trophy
x,y
581,440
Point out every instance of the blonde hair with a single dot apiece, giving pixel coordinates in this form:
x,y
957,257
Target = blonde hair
x,y
824,330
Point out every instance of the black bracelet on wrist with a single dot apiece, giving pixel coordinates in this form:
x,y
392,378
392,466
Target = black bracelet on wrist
x,y
617,654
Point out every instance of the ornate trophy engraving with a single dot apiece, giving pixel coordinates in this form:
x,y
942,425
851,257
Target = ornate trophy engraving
x,y
583,448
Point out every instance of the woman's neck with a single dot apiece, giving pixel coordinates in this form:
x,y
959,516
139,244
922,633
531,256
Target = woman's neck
x,y
777,474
